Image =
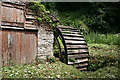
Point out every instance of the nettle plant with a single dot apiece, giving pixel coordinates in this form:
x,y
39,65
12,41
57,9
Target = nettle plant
x,y
43,15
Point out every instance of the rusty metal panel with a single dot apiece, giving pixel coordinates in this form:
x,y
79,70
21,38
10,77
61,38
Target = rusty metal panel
x,y
0,12
12,15
15,15
15,1
0,49
18,47
0,40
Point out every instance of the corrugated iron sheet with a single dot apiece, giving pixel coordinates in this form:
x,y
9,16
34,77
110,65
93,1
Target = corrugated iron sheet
x,y
12,15
18,47
0,50
0,39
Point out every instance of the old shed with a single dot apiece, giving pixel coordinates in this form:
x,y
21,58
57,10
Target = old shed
x,y
21,39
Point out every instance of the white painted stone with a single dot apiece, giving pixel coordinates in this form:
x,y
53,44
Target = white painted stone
x,y
45,42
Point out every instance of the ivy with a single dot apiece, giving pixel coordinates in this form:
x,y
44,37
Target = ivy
x,y
41,12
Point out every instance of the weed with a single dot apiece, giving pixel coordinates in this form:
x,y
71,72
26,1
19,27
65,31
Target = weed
x,y
72,60
111,39
50,59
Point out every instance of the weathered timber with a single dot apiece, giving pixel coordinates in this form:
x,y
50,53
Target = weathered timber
x,y
30,17
78,61
78,56
72,35
74,42
76,47
69,32
74,38
82,69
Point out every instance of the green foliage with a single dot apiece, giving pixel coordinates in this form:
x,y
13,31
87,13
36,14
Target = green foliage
x,y
103,49
72,60
101,17
41,12
102,55
73,19
100,66
111,39
99,61
50,59
56,70
39,19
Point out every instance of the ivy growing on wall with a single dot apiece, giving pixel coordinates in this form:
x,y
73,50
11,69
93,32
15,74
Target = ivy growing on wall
x,y
43,15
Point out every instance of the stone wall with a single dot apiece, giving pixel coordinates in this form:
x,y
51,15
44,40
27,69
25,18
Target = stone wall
x,y
45,42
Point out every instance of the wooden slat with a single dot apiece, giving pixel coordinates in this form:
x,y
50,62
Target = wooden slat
x,y
66,27
70,41
70,32
82,69
72,35
61,29
81,65
15,24
73,38
28,22
30,13
13,5
78,56
77,46
7,27
77,51
30,17
31,28
29,25
79,61
74,47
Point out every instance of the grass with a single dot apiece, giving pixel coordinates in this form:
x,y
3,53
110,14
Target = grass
x,y
103,49
102,55
102,65
56,70
111,39
53,70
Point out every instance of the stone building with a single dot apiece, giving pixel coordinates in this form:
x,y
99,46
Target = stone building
x,y
21,39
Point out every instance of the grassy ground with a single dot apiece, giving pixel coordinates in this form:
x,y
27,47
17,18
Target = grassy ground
x,y
111,39
103,49
56,70
101,53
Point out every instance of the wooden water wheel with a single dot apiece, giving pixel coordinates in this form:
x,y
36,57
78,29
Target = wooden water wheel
x,y
75,50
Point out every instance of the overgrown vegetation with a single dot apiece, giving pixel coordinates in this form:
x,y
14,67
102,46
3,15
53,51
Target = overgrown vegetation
x,y
99,22
55,70
88,17
111,39
96,21
40,11
101,17
101,65
102,55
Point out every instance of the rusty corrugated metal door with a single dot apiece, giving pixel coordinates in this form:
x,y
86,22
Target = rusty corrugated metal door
x,y
12,15
0,39
18,47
